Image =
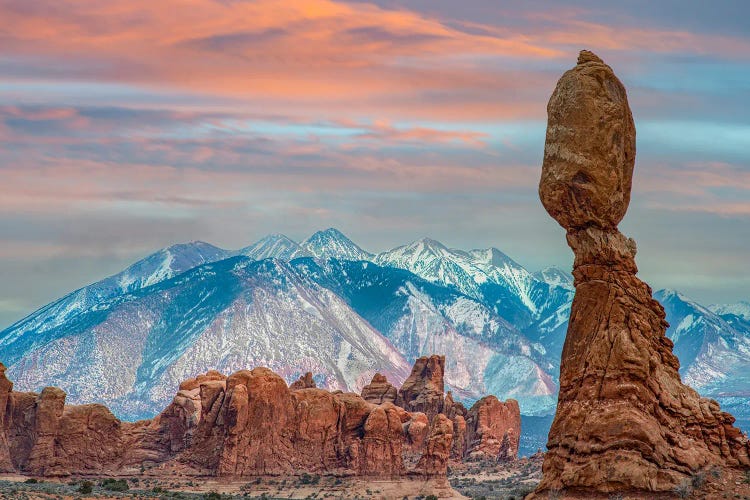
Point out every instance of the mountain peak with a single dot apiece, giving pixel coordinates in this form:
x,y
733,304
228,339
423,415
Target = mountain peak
x,y
670,293
333,233
275,245
430,244
333,244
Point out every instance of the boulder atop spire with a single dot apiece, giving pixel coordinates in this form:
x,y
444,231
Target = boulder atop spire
x,y
625,421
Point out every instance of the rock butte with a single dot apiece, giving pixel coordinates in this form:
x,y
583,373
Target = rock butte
x,y
624,421
250,423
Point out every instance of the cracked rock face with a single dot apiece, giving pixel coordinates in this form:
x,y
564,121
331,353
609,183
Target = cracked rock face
x,y
624,421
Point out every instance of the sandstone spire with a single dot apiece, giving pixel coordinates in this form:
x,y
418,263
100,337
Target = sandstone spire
x,y
624,419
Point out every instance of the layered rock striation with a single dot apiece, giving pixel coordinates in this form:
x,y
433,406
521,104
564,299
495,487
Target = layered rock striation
x,y
379,391
624,421
249,423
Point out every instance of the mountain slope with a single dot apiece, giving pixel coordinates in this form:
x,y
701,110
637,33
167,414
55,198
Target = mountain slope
x,y
555,276
134,349
714,356
157,267
487,275
484,352
740,309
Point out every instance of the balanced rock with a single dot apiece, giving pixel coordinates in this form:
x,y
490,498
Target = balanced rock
x,y
423,390
624,421
379,391
493,429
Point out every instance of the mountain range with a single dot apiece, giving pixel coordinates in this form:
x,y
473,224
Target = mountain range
x,y
328,306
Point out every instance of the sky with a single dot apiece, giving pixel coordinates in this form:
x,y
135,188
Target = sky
x,y
128,126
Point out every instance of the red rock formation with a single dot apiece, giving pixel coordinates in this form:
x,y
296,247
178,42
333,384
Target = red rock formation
x,y
624,420
452,408
434,461
379,391
459,437
6,387
423,389
493,429
382,443
416,431
48,409
249,423
305,382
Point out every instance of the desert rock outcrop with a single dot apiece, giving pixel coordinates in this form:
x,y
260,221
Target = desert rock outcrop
x,y
423,389
250,423
306,381
379,391
492,429
434,461
624,421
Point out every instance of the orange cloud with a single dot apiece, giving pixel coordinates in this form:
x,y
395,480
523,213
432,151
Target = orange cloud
x,y
319,55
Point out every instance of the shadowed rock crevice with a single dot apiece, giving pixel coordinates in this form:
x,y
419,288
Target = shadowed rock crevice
x,y
624,421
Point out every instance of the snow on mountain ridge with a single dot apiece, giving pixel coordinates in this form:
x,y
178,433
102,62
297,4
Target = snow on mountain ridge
x,y
160,265
229,315
740,309
277,245
711,351
333,244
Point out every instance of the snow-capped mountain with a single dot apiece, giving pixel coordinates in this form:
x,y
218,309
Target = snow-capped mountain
x,y
487,275
330,307
740,309
333,244
274,246
134,349
486,353
157,267
714,355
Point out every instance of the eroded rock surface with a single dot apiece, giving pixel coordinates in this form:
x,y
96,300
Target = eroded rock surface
x,y
493,429
250,423
434,461
624,421
305,382
423,389
379,391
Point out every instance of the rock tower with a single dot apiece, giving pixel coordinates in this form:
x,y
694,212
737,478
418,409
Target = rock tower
x,y
624,421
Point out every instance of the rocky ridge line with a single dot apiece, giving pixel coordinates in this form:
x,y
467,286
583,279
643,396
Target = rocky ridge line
x,y
251,423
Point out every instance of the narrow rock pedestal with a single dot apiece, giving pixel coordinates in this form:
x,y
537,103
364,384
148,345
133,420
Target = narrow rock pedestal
x,y
624,421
